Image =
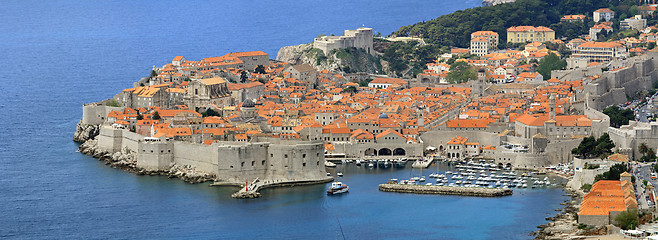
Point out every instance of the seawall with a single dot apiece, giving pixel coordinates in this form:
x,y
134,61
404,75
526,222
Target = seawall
x,y
443,190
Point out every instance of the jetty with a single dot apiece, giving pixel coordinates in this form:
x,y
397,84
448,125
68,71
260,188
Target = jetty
x,y
251,190
445,190
422,163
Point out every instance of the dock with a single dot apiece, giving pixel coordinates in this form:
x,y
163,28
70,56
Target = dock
x,y
425,163
251,191
445,190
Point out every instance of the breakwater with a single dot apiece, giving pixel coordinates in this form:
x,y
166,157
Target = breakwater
x,y
443,190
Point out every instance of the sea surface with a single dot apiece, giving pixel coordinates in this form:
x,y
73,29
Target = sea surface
x,y
57,54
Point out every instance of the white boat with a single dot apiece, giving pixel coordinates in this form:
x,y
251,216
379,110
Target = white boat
x,y
339,174
337,188
421,179
329,164
370,165
428,184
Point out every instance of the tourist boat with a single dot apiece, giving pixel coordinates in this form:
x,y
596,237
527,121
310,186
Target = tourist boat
x,y
392,181
337,188
329,164
339,174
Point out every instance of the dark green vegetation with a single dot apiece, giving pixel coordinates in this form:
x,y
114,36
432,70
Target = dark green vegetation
x,y
648,155
355,60
260,69
613,173
461,72
591,147
618,116
156,116
211,112
586,187
628,220
410,56
550,63
453,30
113,103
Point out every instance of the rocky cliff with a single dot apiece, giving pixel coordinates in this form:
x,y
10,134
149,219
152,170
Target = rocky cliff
x,y
350,60
495,2
84,132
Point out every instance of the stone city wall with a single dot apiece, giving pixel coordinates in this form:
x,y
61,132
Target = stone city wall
x,y
96,113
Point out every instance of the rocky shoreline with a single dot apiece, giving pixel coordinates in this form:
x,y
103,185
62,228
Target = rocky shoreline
x,y
564,224
125,159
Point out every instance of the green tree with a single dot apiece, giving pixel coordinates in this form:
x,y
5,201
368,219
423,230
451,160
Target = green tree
x,y
585,146
156,116
350,89
643,149
140,116
211,112
613,173
187,79
618,116
243,76
154,73
550,63
260,69
604,146
628,219
461,72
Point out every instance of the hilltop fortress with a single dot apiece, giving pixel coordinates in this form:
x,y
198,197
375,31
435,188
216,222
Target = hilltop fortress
x,y
359,38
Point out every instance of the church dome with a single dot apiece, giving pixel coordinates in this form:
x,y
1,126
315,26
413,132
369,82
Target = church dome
x,y
383,116
248,104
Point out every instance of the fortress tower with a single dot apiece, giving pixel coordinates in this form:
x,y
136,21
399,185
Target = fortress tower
x,y
359,38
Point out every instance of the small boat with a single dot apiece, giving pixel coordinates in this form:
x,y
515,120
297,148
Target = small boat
x,y
370,165
328,174
422,179
337,188
329,164
358,162
340,174
392,181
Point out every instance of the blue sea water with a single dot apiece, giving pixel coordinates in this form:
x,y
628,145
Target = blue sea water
x,y
58,54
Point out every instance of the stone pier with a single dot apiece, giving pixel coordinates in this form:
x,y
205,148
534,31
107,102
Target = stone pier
x,y
444,190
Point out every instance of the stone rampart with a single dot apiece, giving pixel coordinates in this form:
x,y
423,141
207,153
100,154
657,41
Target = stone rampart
x,y
96,113
443,190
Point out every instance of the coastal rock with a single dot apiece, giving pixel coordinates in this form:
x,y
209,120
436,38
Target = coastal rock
x,y
125,160
84,132
496,2
343,60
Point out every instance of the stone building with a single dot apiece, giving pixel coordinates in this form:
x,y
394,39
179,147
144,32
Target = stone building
x,y
202,92
522,34
304,72
483,42
635,22
629,137
252,59
144,97
243,91
361,38
603,14
600,51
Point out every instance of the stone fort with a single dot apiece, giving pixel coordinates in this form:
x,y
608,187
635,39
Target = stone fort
x,y
359,38
270,160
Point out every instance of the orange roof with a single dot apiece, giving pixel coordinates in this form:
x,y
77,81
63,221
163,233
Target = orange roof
x,y
458,140
389,81
529,28
387,132
599,45
603,10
